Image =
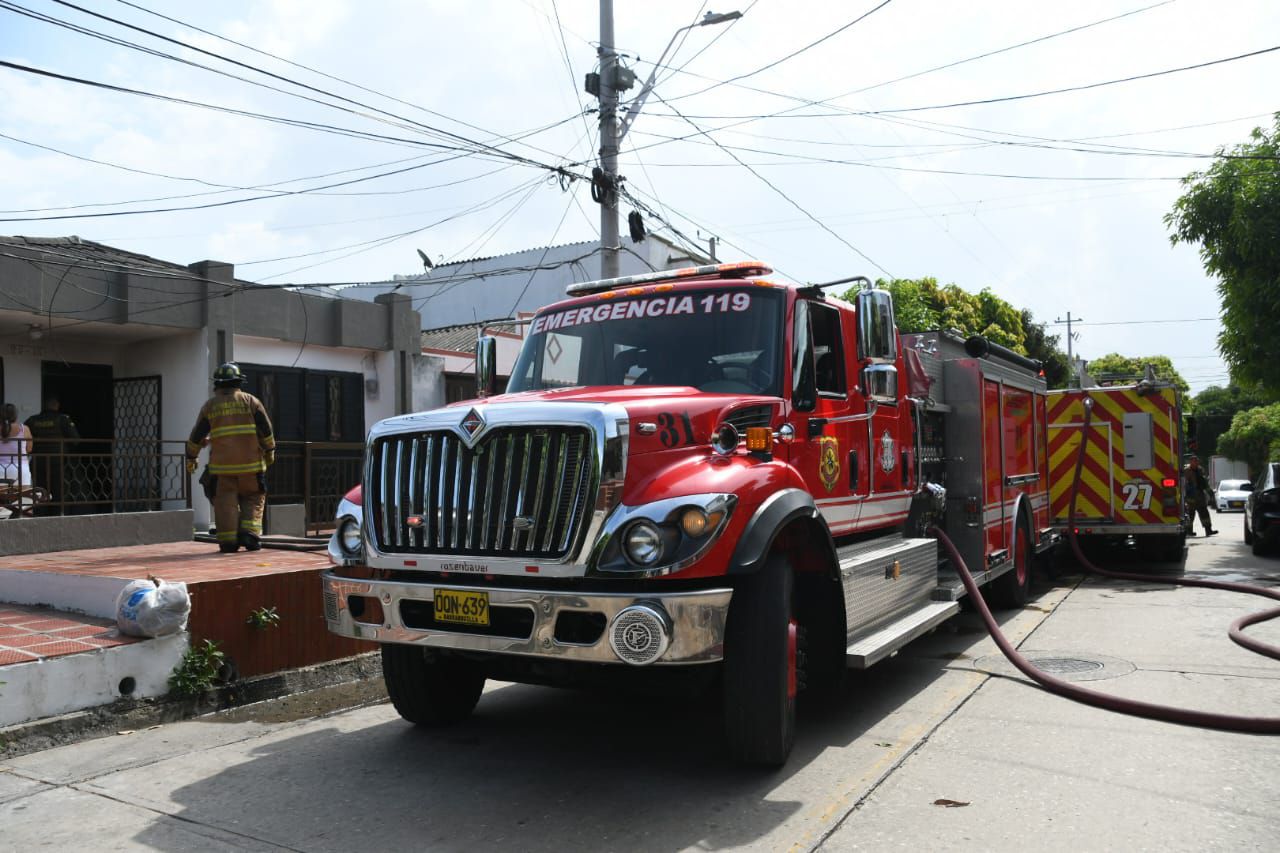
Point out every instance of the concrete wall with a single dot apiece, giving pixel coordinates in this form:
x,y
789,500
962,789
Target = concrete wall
x,y
68,683
41,535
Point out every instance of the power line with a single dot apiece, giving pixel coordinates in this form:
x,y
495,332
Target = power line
x,y
1081,88
309,69
805,102
1001,50
786,58
777,190
226,188
1139,322
437,132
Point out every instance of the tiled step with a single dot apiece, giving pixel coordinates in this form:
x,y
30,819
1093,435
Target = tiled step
x,y
30,634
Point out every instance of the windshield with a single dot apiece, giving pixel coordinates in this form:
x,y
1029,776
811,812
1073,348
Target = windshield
x,y
718,341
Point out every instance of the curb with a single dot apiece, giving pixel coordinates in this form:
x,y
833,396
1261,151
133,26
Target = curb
x,y
124,714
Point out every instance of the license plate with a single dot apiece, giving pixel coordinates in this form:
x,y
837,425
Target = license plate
x,y
462,607
1235,504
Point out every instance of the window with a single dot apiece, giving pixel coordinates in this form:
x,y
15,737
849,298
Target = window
x,y
720,341
828,353
309,405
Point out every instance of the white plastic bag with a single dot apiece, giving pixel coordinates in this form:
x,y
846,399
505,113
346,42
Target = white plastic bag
x,y
152,608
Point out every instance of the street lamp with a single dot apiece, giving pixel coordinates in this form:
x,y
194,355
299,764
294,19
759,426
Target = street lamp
x,y
612,132
709,19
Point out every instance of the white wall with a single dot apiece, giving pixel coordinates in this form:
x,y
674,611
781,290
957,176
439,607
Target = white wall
x,y
372,364
182,363
22,367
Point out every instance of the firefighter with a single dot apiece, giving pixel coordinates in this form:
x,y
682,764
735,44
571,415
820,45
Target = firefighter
x,y
53,431
241,448
1196,487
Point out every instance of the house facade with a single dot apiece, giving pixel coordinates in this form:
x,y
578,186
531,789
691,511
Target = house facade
x,y
128,344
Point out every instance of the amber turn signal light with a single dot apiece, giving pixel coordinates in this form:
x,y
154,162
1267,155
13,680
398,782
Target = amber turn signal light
x,y
759,439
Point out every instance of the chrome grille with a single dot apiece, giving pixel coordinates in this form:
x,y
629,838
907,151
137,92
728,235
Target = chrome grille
x,y
520,492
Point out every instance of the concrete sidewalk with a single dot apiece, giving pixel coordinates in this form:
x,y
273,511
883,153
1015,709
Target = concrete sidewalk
x,y
1037,771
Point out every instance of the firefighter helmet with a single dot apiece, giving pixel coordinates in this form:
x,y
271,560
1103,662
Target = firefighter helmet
x,y
228,374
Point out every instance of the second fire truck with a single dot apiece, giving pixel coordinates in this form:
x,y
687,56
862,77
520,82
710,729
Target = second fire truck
x,y
693,469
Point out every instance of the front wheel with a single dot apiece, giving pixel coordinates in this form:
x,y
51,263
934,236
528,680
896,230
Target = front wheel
x,y
427,689
760,667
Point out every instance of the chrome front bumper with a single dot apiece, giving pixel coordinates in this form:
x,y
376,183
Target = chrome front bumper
x,y
697,619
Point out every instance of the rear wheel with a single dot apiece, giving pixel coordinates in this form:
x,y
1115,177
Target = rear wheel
x,y
1012,588
1248,534
427,689
761,667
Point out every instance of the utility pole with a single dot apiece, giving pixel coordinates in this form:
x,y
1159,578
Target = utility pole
x,y
612,79
1071,362
609,243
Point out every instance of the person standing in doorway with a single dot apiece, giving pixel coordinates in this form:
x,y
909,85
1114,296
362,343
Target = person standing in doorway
x,y
241,447
15,448
53,431
1196,486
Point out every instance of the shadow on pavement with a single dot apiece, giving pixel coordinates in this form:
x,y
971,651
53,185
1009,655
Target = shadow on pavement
x,y
545,769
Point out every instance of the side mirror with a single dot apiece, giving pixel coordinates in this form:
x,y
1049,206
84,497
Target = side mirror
x,y
804,380
486,366
877,334
880,383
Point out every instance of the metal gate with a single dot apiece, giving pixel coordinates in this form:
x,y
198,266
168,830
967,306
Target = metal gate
x,y
138,481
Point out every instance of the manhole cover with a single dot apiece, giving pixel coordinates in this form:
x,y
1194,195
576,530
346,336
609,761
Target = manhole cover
x,y
1065,665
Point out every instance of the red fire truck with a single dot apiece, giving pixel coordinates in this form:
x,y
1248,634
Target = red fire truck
x,y
1130,484
702,470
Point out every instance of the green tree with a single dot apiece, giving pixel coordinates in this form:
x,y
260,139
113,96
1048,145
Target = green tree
x,y
1254,437
920,305
1214,409
1126,369
1044,347
1232,212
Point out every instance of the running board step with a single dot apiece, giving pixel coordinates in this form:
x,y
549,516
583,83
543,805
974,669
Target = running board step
x,y
951,588
884,642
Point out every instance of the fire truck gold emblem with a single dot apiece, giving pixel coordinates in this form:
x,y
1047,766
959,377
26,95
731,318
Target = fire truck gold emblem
x,y
887,462
829,461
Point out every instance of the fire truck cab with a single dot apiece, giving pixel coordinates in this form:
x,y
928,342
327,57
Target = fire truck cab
x,y
701,468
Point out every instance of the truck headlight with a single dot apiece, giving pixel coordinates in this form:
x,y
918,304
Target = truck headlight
x,y
643,543
349,537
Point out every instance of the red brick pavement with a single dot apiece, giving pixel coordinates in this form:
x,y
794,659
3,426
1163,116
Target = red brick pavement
x,y
32,633
189,562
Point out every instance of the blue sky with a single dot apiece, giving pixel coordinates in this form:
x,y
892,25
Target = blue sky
x,y
1075,230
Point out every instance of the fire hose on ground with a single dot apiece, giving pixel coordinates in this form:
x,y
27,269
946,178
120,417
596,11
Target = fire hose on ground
x,y
1132,707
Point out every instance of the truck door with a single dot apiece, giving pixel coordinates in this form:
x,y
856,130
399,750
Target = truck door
x,y
831,456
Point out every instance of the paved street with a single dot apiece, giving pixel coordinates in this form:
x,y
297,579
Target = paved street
x,y
540,769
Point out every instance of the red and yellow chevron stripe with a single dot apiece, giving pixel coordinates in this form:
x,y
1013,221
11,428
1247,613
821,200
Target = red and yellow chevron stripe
x,y
1107,489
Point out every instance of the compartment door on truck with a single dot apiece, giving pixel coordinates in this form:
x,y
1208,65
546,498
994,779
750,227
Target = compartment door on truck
x,y
1097,478
1018,451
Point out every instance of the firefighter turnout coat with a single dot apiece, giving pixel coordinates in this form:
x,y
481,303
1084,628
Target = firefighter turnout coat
x,y
238,431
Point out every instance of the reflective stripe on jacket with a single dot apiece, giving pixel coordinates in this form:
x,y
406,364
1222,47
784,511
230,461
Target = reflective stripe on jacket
x,y
238,431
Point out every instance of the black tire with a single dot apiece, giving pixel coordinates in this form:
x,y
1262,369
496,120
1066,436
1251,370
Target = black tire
x,y
1248,534
1011,589
1259,545
429,690
760,664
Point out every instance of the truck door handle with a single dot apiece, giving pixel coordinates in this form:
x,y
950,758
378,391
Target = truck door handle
x,y
853,470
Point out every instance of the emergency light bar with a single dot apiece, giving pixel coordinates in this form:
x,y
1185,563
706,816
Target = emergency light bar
x,y
741,269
